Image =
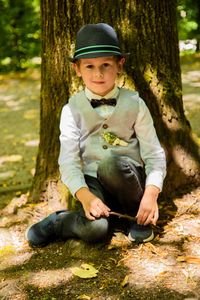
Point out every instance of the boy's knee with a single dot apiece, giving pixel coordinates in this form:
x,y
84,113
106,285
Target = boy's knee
x,y
112,171
108,166
95,231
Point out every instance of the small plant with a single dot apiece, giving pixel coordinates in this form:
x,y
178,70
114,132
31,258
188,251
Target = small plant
x,y
114,140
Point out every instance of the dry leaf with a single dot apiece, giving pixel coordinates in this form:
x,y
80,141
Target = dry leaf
x,y
185,273
84,297
189,259
85,271
170,212
125,281
181,259
193,260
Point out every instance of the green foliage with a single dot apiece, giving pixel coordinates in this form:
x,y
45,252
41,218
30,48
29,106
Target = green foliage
x,y
20,33
188,12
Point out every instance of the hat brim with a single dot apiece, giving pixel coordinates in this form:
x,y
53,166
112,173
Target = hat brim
x,y
94,55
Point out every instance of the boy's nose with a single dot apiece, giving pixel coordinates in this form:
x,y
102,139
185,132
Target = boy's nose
x,y
99,73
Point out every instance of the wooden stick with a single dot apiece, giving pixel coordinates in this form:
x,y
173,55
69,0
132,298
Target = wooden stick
x,y
127,217
122,216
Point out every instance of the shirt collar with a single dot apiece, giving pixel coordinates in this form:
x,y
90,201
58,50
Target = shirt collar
x,y
112,94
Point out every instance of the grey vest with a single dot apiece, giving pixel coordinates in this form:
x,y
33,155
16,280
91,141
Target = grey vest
x,y
93,147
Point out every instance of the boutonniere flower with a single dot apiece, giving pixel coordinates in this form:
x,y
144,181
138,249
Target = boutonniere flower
x,y
113,139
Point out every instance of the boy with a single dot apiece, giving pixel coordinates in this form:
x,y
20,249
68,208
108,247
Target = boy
x,y
110,157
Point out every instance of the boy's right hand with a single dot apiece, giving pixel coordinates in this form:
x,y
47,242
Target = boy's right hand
x,y
92,205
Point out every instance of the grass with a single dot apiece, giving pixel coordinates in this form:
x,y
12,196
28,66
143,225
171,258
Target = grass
x,y
190,66
19,130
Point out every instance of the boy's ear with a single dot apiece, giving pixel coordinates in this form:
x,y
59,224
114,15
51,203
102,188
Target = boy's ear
x,y
121,64
76,69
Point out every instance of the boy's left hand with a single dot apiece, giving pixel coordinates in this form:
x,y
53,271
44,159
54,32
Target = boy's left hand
x,y
148,209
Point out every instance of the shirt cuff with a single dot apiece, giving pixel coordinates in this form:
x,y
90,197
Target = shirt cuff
x,y
77,187
155,178
74,185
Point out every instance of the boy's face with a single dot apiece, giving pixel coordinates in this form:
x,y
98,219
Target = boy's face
x,y
99,74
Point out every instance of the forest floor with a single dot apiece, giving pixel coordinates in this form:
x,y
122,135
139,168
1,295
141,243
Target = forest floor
x,y
167,268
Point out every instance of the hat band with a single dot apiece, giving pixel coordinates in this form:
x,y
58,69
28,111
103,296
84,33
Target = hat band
x,y
97,49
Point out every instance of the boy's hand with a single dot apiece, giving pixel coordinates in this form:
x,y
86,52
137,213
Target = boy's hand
x,y
95,208
92,205
148,209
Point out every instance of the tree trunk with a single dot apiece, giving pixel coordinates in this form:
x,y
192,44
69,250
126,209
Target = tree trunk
x,y
148,30
58,31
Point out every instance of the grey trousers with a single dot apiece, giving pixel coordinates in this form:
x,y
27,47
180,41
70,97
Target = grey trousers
x,y
120,185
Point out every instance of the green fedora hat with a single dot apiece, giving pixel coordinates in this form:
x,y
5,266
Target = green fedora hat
x,y
96,40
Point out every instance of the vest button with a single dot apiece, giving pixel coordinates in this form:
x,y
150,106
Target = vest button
x,y
105,147
105,126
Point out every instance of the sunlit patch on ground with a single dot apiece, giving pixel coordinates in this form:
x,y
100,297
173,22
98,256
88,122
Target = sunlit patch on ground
x,y
12,237
188,227
10,158
13,247
159,270
31,114
11,289
49,278
192,248
143,273
33,143
191,96
7,174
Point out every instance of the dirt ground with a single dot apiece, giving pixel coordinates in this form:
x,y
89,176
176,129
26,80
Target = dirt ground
x,y
167,268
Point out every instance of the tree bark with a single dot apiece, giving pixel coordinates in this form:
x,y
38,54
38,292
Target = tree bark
x,y
58,32
148,31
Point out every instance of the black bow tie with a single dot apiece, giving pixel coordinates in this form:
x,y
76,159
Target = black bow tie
x,y
98,102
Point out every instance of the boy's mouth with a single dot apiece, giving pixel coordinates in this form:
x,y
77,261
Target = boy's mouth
x,y
98,82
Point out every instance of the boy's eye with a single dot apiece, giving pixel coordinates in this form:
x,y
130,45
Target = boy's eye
x,y
106,65
89,66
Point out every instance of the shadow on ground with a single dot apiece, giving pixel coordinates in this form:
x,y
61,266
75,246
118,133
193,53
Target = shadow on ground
x,y
167,268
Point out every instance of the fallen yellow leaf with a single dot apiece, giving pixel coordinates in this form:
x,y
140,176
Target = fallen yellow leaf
x,y
181,259
84,297
85,271
125,281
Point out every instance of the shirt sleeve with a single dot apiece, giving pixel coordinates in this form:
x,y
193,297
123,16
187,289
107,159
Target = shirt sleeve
x,y
151,151
69,158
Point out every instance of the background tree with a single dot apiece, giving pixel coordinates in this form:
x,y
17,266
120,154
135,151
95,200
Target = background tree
x,y
20,33
189,20
148,30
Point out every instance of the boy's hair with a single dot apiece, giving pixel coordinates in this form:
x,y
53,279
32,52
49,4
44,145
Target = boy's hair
x,y
96,40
